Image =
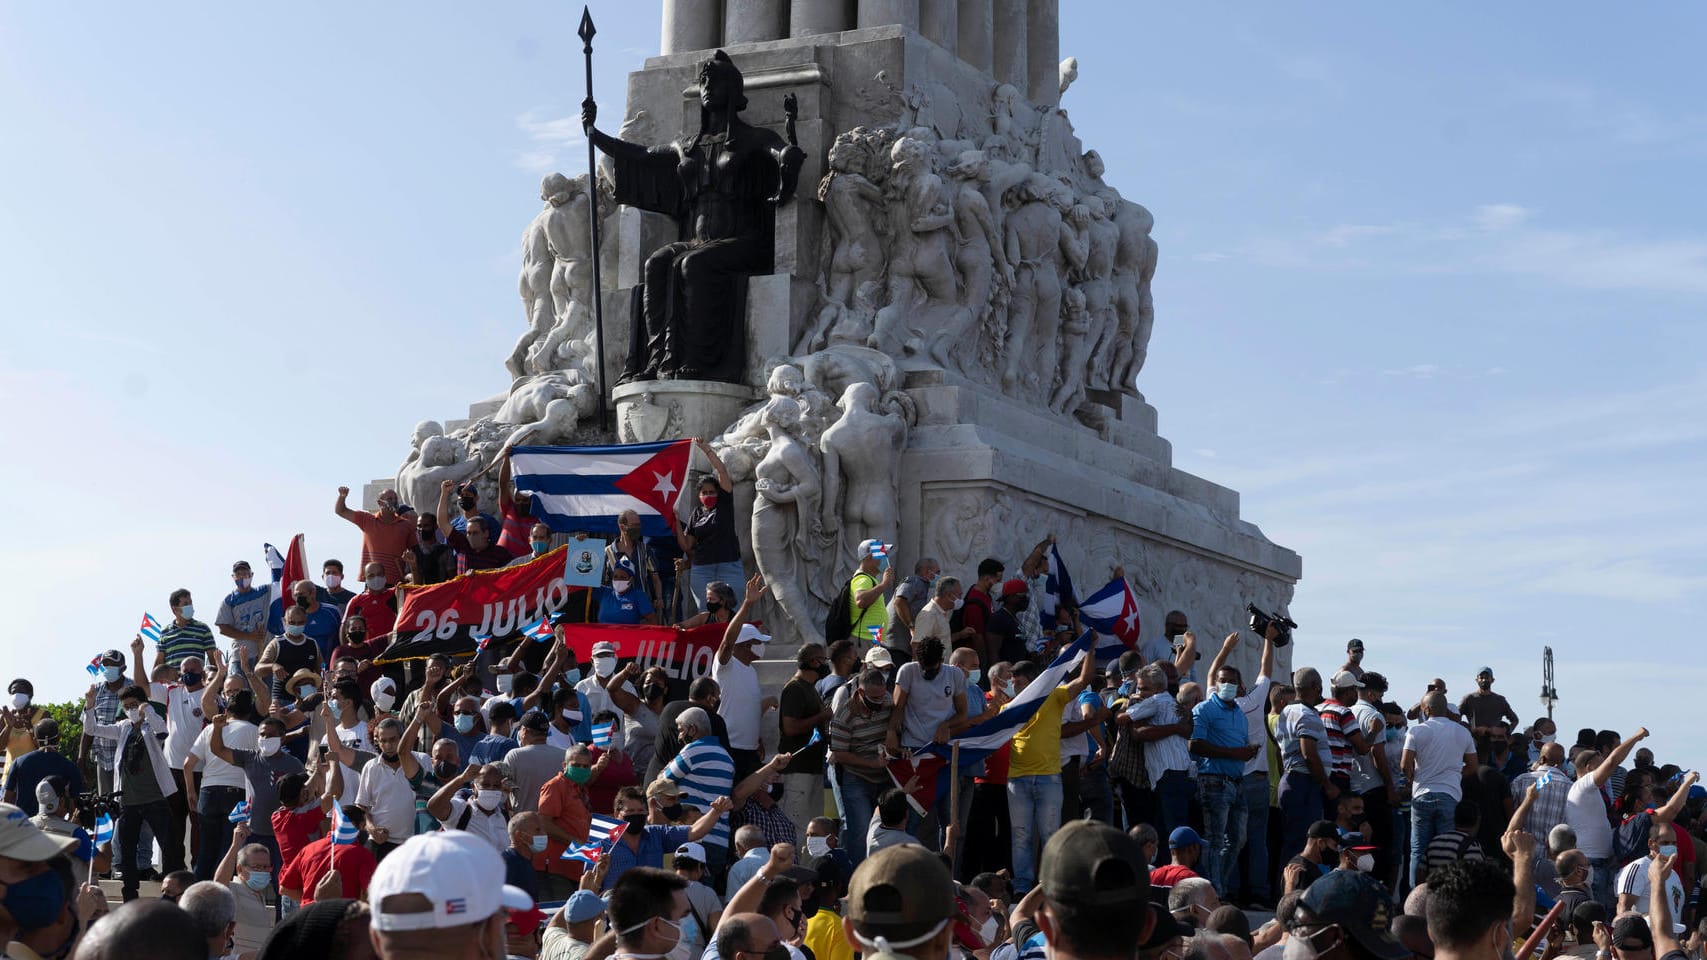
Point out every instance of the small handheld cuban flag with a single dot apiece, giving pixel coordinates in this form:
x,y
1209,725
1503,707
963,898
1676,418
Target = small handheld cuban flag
x,y
587,853
103,829
602,833
239,813
814,739
602,733
538,631
880,551
94,666
876,631
481,640
343,828
150,628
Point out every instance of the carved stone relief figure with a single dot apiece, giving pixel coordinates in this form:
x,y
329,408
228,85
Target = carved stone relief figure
x,y
1075,325
535,281
921,270
1101,317
441,458
567,224
1039,245
979,256
853,207
787,534
862,464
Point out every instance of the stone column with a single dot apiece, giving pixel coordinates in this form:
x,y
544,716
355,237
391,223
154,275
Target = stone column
x,y
939,22
973,22
882,13
808,17
1043,52
749,21
1008,45
690,25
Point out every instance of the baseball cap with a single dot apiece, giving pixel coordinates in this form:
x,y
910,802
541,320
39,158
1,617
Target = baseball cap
x,y
1632,926
865,548
1343,679
438,880
691,851
604,647
240,565
584,905
1093,863
1485,672
1322,830
878,657
536,721
1358,905
751,634
22,840
1016,585
1355,644
903,891
527,921
113,657
1184,837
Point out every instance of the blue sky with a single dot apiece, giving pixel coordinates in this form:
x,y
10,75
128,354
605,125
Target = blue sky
x,y
1430,297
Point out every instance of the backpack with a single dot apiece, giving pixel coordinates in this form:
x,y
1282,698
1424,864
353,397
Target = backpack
x,y
957,619
838,621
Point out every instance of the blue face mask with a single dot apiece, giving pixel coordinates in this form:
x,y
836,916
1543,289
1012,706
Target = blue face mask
x,y
336,708
258,880
539,843
464,723
538,548
112,674
36,902
572,676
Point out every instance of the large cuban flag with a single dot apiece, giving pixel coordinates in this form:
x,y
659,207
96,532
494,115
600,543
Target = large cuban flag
x,y
585,488
1057,596
924,777
1112,613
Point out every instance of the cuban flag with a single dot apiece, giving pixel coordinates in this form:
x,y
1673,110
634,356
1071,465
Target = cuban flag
x,y
539,631
239,813
94,666
103,829
1112,613
924,777
150,628
602,735
602,833
588,853
876,631
1057,592
585,488
480,640
343,828
289,568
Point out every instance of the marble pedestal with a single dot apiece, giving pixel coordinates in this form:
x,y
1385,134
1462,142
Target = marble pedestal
x,y
652,410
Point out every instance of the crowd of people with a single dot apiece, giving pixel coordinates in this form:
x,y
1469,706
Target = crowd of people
x,y
297,794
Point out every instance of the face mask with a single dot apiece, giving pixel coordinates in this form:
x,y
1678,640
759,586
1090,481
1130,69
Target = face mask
x,y
295,630
489,799
1228,692
959,602
257,880
384,700
578,775
466,503
988,929
134,713
303,602
243,582
672,812
818,846
779,952
757,648
1394,733
539,843
1668,849
376,584
112,674
334,581
604,666
1366,863
635,821
572,676
187,611
1008,687
620,587
974,675
506,682
538,548
305,691
268,746
444,770
464,722
337,709
357,636
1298,948
36,902
712,606
654,691
708,500
1549,737
190,677
20,701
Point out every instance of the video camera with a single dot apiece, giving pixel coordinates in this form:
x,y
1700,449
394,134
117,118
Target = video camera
x,y
91,805
1260,622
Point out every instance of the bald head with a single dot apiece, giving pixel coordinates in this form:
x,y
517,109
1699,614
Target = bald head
x,y
749,933
1552,754
1435,704
144,930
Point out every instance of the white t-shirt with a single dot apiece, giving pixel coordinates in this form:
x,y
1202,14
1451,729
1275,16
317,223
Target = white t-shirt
x,y
239,735
740,706
1633,879
930,703
1365,775
184,720
1585,811
355,737
494,826
1256,730
1440,745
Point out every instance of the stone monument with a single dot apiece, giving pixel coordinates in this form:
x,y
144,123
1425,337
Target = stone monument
x,y
937,342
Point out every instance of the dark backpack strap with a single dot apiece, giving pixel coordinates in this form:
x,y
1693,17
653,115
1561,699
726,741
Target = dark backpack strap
x,y
467,812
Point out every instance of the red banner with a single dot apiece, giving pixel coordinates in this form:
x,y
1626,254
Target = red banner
x,y
685,655
499,603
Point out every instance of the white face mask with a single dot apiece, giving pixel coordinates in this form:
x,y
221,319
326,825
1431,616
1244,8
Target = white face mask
x,y
268,746
974,675
1549,737
604,666
620,587
384,700
1366,863
818,846
1228,692
506,682
959,602
334,581
20,701
134,713
988,929
489,799
376,584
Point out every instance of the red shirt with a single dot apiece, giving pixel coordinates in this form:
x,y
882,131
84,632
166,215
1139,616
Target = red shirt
x,y
355,868
514,536
293,830
378,609
1169,875
383,543
618,773
975,612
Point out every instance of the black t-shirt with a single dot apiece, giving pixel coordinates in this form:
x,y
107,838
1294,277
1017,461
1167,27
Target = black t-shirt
x,y
1006,626
1312,871
713,532
800,700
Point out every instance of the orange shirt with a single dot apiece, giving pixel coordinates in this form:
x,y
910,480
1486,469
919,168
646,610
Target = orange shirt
x,y
383,543
565,804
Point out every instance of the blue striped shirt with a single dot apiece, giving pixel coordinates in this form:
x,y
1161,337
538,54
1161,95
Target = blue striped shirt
x,y
178,641
705,772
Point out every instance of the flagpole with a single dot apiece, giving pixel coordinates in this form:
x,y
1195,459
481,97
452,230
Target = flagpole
x,y
954,795
586,32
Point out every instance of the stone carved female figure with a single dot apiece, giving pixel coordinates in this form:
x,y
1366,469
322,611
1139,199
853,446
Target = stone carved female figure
x,y
979,257
1041,246
862,461
786,516
921,270
852,204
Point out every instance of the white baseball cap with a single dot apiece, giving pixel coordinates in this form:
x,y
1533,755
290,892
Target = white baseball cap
x,y
691,851
459,876
865,547
879,657
22,840
604,647
751,634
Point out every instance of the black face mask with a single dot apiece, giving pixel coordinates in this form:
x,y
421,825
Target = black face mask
x,y
302,603
712,606
822,670
672,812
466,503
357,636
778,952
655,691
635,821
444,770
776,792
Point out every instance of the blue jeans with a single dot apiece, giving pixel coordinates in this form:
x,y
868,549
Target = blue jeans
x,y
1173,794
1219,797
859,802
1300,806
699,576
1034,812
213,808
1431,815
1250,833
1601,874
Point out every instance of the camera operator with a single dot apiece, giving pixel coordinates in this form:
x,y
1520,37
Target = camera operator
x,y
59,816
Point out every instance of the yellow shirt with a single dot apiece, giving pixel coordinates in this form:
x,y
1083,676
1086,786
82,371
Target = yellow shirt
x,y
22,739
872,616
1037,745
824,936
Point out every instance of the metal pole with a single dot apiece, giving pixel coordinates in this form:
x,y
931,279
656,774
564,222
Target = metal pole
x,y
586,33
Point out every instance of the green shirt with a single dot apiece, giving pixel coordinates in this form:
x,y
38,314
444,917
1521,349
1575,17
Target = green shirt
x,y
190,639
872,616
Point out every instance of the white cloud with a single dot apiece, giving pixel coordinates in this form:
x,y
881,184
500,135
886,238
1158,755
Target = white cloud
x,y
548,137
1494,217
1416,371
